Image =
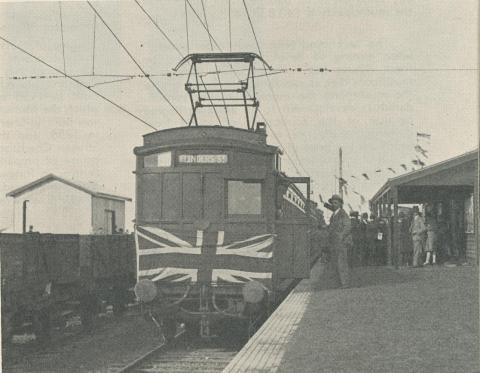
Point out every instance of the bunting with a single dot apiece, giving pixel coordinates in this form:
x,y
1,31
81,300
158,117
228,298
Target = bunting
x,y
423,135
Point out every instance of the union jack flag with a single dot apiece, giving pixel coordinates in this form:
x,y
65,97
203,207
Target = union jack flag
x,y
202,257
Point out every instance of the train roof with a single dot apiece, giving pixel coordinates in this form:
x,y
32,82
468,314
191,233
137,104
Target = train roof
x,y
197,136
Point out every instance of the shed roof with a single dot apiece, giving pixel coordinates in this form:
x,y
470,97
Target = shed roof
x,y
423,174
87,187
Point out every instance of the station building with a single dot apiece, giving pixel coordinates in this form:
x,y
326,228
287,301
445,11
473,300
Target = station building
x,y
448,191
53,204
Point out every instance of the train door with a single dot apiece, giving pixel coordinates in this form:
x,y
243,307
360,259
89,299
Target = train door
x,y
202,196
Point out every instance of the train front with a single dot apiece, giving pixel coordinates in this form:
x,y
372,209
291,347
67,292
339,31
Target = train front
x,y
204,222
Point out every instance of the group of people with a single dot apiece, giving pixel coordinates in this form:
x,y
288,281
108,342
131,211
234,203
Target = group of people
x,y
358,241
354,241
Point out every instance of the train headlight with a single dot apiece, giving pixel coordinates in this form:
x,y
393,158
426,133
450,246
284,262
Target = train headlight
x,y
253,292
145,290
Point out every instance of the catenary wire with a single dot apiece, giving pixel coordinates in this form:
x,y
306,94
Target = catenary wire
x,y
61,33
93,48
186,27
136,63
260,112
160,29
216,67
294,148
78,82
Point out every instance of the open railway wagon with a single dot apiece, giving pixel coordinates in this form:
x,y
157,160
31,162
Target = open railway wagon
x,y
47,278
221,231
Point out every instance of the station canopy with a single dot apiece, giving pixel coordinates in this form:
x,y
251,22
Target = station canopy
x,y
453,178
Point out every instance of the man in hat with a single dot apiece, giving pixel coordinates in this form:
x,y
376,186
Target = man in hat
x,y
340,240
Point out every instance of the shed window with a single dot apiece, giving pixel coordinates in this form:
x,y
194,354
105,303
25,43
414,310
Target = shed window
x,y
244,197
163,159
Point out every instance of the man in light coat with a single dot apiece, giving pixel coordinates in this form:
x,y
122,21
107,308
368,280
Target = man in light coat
x,y
417,230
340,240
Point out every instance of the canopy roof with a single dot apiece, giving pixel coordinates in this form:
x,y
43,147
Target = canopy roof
x,y
454,175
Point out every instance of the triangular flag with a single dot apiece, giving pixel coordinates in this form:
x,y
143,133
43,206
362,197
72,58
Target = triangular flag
x,y
366,176
404,166
391,169
423,135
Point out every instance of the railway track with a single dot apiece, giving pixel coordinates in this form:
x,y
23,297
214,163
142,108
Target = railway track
x,y
186,354
183,355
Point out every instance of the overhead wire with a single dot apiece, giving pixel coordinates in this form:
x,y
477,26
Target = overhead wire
x,y
216,67
136,63
230,24
186,26
93,48
61,33
259,110
78,82
160,29
208,95
273,93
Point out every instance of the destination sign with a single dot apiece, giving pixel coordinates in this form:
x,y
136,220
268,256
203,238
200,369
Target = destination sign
x,y
203,158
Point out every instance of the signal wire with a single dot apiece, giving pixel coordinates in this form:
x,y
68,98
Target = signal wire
x,y
78,82
159,29
136,63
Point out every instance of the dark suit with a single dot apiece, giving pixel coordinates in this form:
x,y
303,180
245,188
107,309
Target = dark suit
x,y
340,240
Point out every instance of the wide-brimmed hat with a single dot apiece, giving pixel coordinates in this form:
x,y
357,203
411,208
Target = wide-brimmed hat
x,y
335,197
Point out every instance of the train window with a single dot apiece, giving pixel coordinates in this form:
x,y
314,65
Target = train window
x,y
163,159
278,162
244,198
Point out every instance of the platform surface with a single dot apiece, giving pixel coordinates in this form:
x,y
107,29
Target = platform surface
x,y
405,320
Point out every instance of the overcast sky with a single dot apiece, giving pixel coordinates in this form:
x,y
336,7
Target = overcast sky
x,y
55,125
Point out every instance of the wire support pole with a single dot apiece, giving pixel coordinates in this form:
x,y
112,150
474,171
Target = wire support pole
x,y
160,29
78,82
136,63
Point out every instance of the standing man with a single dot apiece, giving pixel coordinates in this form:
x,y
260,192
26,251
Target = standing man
x,y
417,230
340,240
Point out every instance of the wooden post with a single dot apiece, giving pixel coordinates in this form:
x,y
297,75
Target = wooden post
x,y
396,228
476,228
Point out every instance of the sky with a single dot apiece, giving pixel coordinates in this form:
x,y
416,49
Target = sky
x,y
373,110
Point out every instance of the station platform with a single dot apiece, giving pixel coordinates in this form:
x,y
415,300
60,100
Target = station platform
x,y
404,320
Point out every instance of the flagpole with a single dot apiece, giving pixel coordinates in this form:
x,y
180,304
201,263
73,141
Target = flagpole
x,y
340,171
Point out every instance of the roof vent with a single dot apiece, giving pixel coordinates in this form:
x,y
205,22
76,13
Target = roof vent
x,y
261,128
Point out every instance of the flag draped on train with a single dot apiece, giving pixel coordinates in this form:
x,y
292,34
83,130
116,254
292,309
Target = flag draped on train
x,y
204,257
